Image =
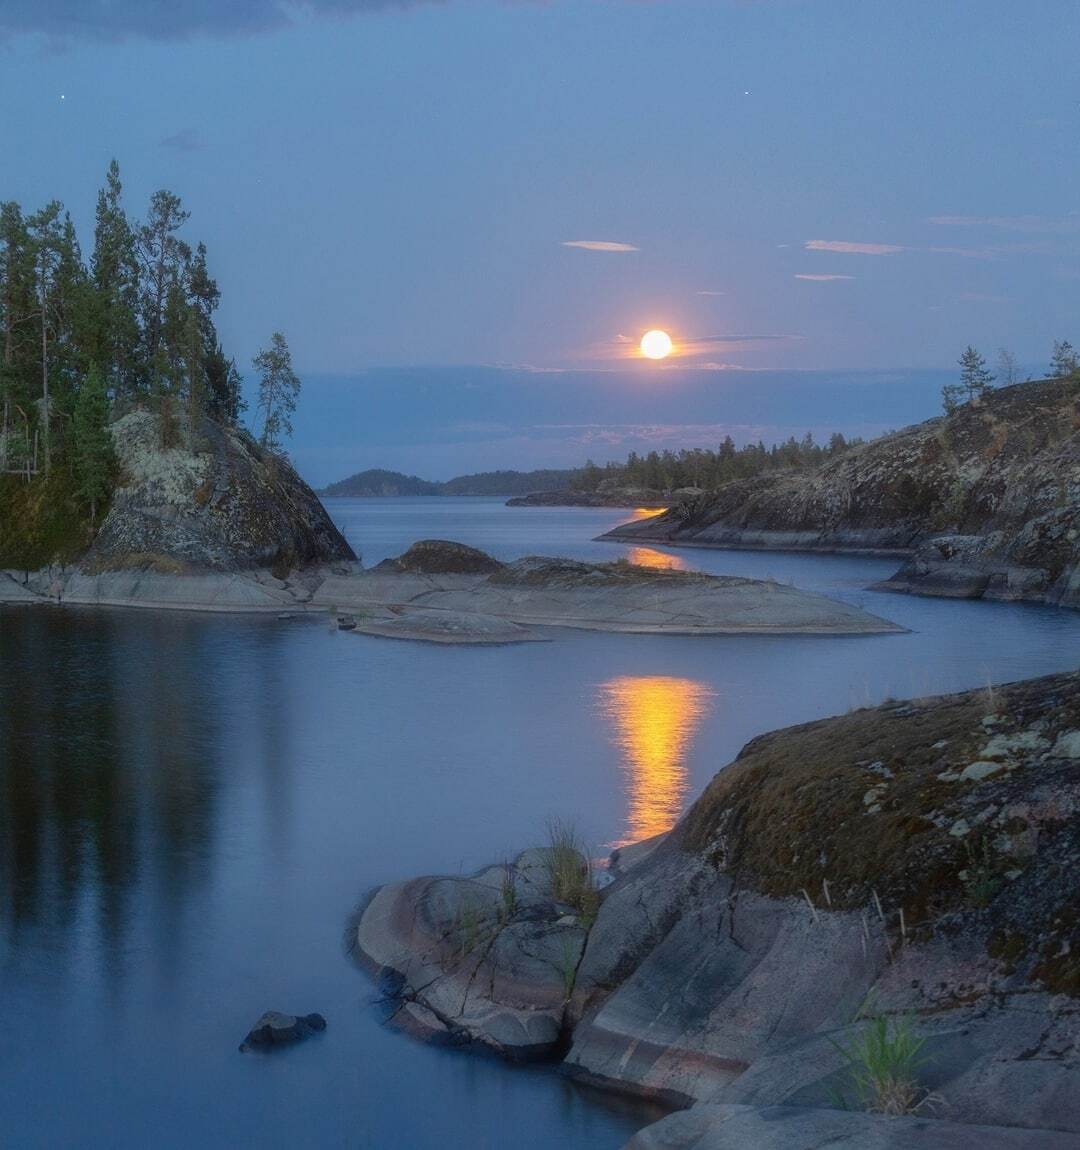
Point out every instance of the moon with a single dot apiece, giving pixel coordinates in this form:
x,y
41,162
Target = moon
x,y
656,345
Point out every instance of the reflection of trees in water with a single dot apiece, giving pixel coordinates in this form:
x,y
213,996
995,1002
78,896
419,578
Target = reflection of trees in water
x,y
108,771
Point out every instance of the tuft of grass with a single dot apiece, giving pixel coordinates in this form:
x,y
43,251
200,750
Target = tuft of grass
x,y
569,871
468,929
981,877
883,1063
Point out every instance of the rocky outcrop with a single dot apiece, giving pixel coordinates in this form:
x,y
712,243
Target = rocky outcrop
x,y
214,502
986,502
449,593
789,1127
910,867
486,960
446,592
442,557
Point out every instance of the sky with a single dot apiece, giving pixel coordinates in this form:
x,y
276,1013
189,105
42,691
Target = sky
x,y
512,191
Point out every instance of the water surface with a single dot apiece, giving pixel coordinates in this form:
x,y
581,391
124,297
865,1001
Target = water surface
x,y
191,805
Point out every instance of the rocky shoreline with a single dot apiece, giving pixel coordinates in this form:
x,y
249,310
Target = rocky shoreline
x,y
445,592
909,867
646,499
982,503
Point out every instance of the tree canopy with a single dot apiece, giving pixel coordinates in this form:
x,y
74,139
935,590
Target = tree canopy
x,y
84,340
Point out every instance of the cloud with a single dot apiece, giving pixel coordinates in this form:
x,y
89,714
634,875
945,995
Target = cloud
x,y
988,253
710,293
66,20
599,246
687,347
821,278
186,140
1029,223
849,248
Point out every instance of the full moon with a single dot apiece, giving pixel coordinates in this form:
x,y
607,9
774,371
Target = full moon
x,y
656,345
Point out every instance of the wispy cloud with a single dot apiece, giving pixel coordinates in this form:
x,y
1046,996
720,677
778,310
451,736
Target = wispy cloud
x,y
687,347
69,20
186,140
846,247
600,245
710,293
1028,223
820,278
850,248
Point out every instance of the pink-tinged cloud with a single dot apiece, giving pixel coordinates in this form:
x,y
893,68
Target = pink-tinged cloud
x,y
822,279
849,248
600,245
1029,223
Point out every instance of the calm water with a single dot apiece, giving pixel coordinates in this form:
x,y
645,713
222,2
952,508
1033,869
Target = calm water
x,y
190,807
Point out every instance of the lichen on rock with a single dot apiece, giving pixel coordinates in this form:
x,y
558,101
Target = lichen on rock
x,y
214,501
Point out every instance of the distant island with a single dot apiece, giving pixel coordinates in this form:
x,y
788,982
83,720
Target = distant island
x,y
377,483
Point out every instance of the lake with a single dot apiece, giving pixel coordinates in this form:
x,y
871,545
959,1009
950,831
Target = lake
x,y
191,806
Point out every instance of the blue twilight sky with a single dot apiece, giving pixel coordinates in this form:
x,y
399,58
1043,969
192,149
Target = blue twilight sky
x,y
806,185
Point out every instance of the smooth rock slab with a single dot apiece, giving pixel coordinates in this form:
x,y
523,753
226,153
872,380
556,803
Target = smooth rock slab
x,y
277,1029
729,1127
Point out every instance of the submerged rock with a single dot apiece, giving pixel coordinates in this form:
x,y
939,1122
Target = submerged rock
x,y
277,1029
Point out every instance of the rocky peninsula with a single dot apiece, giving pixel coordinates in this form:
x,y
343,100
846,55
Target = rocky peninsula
x,y
982,503
864,931
644,497
217,523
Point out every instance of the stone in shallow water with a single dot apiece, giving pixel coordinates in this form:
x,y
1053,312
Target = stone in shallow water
x,y
277,1029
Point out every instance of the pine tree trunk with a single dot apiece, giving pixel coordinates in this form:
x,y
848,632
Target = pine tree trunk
x,y
45,382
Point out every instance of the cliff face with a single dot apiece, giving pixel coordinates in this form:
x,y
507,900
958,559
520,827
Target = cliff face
x,y
216,501
986,502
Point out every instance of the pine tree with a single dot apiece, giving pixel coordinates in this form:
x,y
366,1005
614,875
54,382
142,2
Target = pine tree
x,y
115,274
94,458
1064,362
279,387
18,353
1008,371
162,255
47,243
975,379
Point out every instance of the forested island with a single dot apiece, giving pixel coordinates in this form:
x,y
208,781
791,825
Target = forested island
x,y
86,342
379,483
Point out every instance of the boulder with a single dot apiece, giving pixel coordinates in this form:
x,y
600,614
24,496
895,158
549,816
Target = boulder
x,y
277,1029
487,960
213,501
